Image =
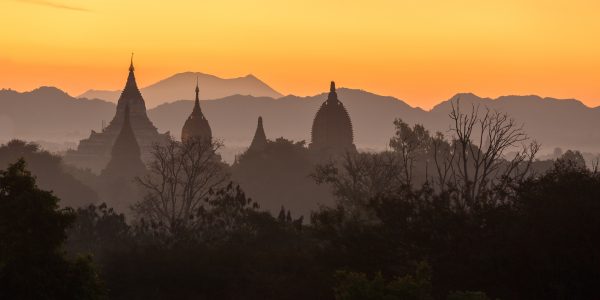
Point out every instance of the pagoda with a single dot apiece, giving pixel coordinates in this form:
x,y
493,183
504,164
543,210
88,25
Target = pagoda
x,y
95,151
259,142
196,126
332,128
125,160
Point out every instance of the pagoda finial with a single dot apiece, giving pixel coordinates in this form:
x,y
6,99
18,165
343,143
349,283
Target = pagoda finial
x,y
332,98
131,69
197,101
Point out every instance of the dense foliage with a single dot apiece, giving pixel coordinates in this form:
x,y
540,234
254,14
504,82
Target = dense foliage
x,y
32,232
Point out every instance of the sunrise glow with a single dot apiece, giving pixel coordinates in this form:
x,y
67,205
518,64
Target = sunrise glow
x,y
420,51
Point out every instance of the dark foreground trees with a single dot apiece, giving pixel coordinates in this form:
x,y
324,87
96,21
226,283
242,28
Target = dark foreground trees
x,y
32,232
539,243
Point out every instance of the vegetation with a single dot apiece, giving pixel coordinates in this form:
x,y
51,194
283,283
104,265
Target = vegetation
x,y
471,216
32,232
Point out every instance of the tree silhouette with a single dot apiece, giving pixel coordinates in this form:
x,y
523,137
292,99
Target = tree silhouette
x,y
50,172
32,232
180,179
476,160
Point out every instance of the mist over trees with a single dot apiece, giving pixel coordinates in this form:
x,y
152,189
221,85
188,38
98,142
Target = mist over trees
x,y
465,214
51,173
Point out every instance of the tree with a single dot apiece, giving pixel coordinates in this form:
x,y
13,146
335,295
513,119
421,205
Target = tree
x,y
412,144
355,286
278,174
50,172
32,232
571,159
358,177
558,234
477,160
98,230
181,178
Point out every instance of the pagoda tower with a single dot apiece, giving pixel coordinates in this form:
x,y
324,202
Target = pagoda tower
x,y
125,161
196,126
94,152
332,128
259,142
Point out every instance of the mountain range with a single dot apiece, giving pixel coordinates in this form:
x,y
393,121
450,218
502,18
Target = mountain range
x,y
48,114
181,86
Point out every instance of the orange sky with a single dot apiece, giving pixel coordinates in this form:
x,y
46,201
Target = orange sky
x,y
420,51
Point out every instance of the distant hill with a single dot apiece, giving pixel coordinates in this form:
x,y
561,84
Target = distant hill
x,y
51,115
566,123
234,118
181,86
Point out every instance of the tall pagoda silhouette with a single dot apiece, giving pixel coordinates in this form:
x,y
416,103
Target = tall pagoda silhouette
x,y
332,128
95,151
125,162
196,126
259,142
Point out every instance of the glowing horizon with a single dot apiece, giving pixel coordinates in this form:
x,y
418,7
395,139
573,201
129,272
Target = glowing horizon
x,y
422,53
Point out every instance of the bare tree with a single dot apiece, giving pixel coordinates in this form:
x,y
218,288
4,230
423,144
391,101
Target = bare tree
x,y
180,179
487,150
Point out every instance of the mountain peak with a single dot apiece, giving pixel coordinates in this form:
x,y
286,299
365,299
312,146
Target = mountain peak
x,y
49,91
181,86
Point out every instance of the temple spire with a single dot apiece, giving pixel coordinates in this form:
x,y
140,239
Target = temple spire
x,y
332,93
197,101
259,142
131,68
131,91
196,125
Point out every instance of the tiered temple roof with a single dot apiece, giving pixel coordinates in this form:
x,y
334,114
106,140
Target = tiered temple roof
x,y
196,126
95,151
332,128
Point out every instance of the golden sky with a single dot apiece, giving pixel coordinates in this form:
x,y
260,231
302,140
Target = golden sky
x,y
420,51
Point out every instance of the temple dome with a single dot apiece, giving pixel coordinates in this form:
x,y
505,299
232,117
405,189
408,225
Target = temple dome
x,y
196,125
332,127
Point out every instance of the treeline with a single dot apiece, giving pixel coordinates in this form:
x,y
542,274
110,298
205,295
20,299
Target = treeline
x,y
470,216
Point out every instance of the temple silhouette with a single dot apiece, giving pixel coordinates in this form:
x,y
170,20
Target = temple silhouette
x,y
126,158
95,151
196,126
130,136
259,142
332,133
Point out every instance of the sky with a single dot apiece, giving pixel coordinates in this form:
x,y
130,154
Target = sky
x,y
422,52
